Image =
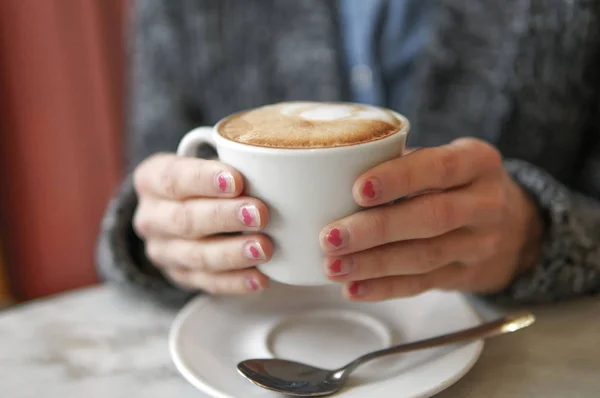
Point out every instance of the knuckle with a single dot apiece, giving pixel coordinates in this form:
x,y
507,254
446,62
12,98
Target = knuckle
x,y
499,196
486,155
203,281
233,285
490,245
218,216
475,145
434,255
497,210
153,252
224,260
379,226
197,178
182,220
441,213
221,286
176,276
142,171
447,164
415,285
140,223
500,205
405,180
494,206
382,265
212,288
491,156
168,180
138,180
195,257
387,289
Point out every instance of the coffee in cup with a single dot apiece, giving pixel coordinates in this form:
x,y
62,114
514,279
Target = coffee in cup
x,y
306,125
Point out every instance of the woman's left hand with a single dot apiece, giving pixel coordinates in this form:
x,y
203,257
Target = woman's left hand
x,y
464,225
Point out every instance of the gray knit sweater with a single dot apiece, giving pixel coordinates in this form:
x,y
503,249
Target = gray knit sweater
x,y
522,75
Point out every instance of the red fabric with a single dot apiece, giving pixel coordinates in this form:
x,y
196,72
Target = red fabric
x,y
61,84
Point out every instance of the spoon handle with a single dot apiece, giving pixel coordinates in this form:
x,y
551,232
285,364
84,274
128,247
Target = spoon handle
x,y
509,323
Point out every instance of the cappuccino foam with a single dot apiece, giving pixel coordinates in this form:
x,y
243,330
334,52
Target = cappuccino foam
x,y
310,125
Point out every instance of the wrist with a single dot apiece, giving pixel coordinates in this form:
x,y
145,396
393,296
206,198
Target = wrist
x,y
531,230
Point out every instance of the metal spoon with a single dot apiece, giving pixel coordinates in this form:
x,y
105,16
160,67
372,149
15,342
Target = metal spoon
x,y
297,379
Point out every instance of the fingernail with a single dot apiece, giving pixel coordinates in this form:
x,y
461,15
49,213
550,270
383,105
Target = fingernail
x,y
340,267
356,289
336,238
249,216
371,189
253,285
225,182
254,251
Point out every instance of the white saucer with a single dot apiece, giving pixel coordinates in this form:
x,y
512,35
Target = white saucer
x,y
318,327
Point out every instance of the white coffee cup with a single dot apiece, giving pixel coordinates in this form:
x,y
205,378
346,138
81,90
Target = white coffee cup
x,y
304,189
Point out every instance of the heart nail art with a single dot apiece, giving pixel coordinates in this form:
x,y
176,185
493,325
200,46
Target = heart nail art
x,y
225,182
336,267
254,251
340,267
248,219
249,216
253,285
355,289
335,237
368,190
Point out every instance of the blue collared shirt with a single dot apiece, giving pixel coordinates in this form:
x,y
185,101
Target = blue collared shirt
x,y
382,40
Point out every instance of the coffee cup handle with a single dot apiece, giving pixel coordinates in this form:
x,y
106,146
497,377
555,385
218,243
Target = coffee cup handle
x,y
194,139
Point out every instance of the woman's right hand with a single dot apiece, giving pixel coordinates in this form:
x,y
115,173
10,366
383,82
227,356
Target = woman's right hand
x,y
185,207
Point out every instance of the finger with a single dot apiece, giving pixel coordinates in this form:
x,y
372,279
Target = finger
x,y
197,218
412,257
174,177
229,283
424,170
421,217
391,287
212,255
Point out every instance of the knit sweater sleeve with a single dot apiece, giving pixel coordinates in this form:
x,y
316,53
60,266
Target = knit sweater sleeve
x,y
158,114
157,120
569,265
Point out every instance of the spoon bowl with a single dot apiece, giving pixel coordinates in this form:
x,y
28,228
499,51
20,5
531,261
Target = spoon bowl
x,y
293,378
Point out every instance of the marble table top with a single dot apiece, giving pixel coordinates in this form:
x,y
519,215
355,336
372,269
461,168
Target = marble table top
x,y
99,343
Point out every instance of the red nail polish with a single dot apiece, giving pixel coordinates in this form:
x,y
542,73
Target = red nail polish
x,y
253,285
248,219
354,289
336,267
222,183
225,182
335,237
340,267
254,251
368,190
249,216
